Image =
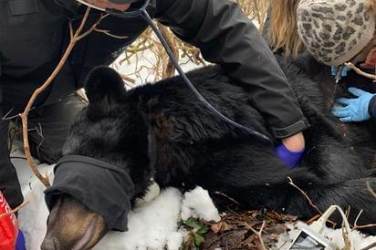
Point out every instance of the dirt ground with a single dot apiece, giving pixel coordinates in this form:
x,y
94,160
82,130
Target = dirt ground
x,y
239,229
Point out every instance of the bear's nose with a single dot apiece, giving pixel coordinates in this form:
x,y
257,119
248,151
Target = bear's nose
x,y
49,244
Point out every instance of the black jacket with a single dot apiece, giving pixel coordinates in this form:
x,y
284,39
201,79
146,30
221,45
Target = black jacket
x,y
33,32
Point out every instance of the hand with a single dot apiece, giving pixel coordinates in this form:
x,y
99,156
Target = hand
x,y
354,109
291,150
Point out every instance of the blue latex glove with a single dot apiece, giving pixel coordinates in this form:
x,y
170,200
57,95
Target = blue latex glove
x,y
354,109
291,159
20,244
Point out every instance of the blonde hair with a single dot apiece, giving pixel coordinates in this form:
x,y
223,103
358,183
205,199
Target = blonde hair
x,y
283,30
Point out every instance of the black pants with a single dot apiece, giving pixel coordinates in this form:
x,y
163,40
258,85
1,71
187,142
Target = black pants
x,y
48,129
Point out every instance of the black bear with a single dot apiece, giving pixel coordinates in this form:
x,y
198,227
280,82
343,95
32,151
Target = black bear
x,y
161,131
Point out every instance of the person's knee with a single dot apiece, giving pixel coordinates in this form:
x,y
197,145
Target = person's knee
x,y
50,129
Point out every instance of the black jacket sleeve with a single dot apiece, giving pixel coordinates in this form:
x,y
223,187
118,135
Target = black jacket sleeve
x,y
225,36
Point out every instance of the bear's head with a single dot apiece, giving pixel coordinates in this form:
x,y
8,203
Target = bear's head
x,y
105,165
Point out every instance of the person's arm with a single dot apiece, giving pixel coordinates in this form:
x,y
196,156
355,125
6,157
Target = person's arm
x,y
225,36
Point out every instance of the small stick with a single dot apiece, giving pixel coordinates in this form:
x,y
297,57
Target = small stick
x,y
128,79
361,211
305,195
364,226
259,234
357,218
75,37
225,195
360,72
310,221
18,208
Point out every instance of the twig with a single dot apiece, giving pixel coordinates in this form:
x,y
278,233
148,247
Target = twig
x,y
25,203
305,195
128,79
74,38
78,36
363,226
259,234
357,218
361,211
6,116
107,32
168,68
360,72
315,217
226,196
39,90
346,236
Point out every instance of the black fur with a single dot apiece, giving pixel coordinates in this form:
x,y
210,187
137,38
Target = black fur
x,y
163,131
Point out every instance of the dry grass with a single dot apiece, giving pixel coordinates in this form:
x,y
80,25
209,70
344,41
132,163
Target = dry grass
x,y
160,67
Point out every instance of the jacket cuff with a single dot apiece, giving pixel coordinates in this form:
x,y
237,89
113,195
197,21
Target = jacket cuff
x,y
290,130
372,107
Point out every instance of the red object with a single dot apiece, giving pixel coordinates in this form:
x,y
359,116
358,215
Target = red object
x,y
370,61
8,226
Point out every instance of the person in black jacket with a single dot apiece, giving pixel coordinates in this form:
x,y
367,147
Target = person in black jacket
x,y
33,34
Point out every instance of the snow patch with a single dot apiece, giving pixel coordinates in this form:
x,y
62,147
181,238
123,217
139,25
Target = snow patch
x,y
198,204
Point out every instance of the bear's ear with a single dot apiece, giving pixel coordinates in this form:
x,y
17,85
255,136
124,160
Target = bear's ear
x,y
104,86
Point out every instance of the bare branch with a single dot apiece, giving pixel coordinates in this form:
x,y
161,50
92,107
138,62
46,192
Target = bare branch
x,y
259,234
228,197
107,33
357,218
168,67
71,34
305,195
128,79
361,211
25,203
39,90
360,72
88,32
363,226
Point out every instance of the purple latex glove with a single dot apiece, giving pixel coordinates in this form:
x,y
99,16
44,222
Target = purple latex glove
x,y
291,159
